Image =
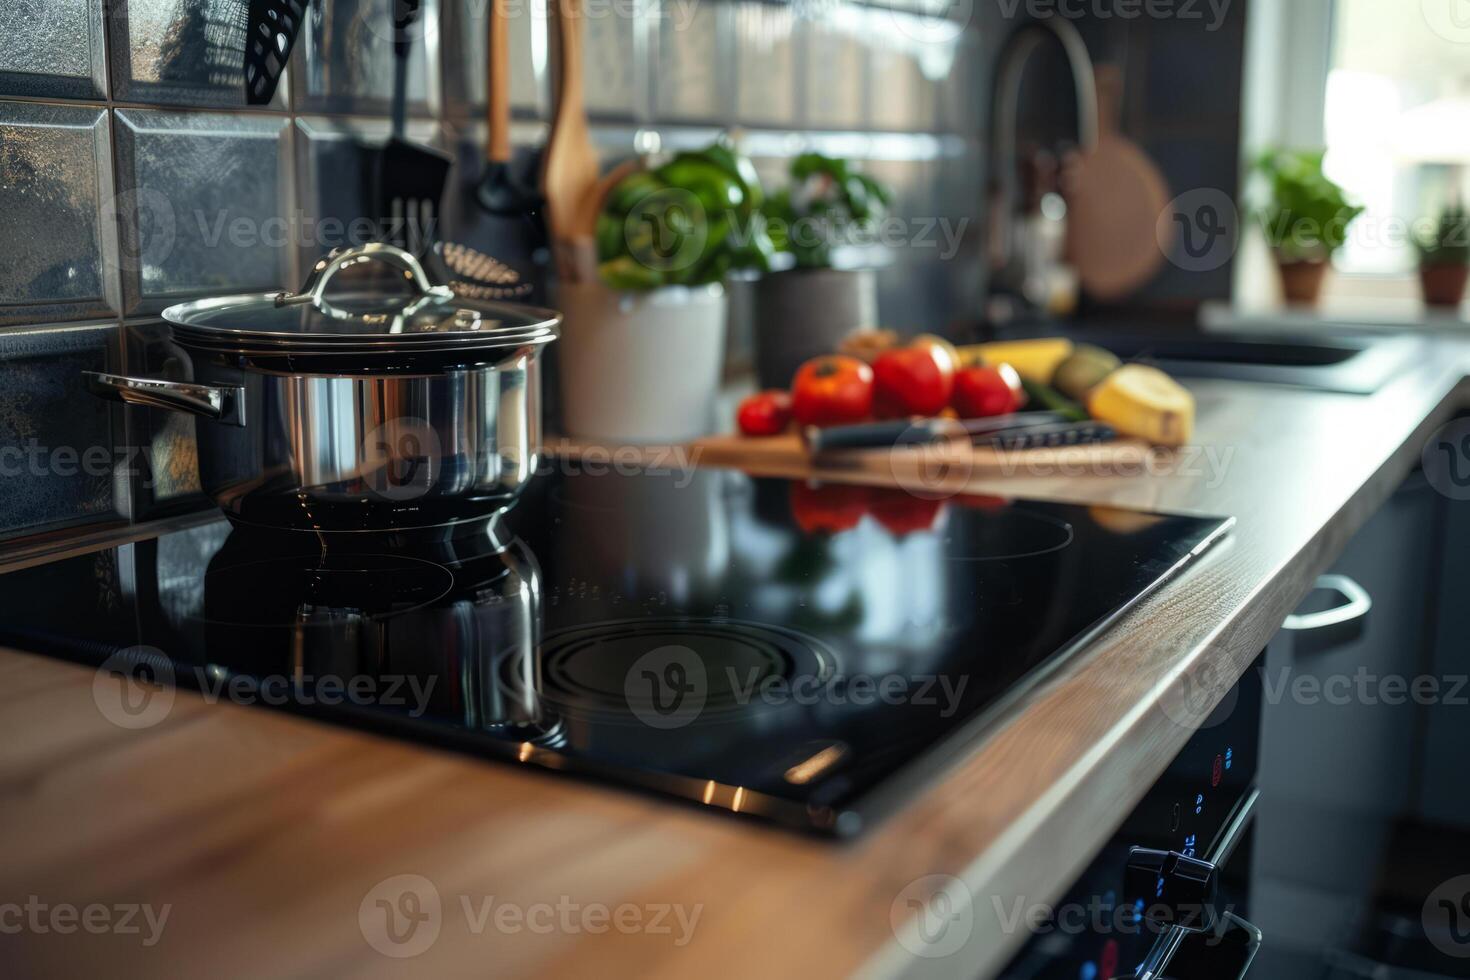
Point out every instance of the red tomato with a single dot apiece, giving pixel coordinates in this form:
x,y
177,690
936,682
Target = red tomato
x,y
832,390
915,380
980,392
829,508
766,413
903,513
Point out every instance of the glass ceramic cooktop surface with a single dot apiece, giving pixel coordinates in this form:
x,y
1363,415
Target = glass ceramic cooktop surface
x,y
799,652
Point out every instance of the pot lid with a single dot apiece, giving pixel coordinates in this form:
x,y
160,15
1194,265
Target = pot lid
x,y
369,318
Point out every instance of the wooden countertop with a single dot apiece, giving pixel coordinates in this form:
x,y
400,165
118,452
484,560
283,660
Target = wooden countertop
x,y
266,834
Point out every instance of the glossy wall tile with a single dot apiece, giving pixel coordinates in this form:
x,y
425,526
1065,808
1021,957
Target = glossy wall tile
x,y
696,69
615,58
212,208
465,36
336,166
58,444
836,65
181,52
59,259
53,49
765,64
345,59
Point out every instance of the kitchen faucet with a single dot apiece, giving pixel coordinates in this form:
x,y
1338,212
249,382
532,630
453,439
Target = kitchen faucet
x,y
1014,56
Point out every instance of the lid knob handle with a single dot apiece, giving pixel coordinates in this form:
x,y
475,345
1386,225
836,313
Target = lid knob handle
x,y
314,290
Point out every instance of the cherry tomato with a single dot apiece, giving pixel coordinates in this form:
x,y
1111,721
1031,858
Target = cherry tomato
x,y
903,513
982,391
828,508
832,390
766,413
915,380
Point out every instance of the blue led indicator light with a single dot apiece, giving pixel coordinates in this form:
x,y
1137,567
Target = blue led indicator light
x,y
1159,888
1199,803
1229,757
1138,905
1089,971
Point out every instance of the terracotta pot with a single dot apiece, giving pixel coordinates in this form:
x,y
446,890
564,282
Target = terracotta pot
x,y
800,314
1444,283
1301,280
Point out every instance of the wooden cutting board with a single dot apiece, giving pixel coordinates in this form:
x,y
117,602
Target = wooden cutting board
x,y
786,455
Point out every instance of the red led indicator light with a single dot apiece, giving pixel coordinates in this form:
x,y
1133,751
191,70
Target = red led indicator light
x,y
1219,771
1107,963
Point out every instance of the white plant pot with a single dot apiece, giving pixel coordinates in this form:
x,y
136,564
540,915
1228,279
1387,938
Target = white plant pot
x,y
640,367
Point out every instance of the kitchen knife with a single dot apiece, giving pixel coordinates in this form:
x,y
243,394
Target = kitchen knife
x,y
917,432
1050,436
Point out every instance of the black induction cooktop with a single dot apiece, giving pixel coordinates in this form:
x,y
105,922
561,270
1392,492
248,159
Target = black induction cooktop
x,y
803,653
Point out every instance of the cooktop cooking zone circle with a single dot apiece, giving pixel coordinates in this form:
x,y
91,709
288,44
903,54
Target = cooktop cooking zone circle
x,y
668,673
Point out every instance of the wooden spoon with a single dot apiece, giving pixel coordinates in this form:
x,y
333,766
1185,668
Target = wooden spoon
x,y
569,171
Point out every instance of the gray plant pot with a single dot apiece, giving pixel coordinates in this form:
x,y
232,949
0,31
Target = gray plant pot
x,y
804,313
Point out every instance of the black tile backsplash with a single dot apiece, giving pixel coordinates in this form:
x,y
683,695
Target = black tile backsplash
x,y
213,204
53,49
58,252
180,52
58,444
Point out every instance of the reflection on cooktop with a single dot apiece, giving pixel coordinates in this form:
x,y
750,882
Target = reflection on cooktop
x,y
794,651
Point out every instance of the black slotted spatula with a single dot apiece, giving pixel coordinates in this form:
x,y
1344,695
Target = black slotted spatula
x,y
411,177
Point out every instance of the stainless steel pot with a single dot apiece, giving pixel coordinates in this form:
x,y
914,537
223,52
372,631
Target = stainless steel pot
x,y
362,411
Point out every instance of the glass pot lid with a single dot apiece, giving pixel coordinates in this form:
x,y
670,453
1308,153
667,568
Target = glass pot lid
x,y
373,318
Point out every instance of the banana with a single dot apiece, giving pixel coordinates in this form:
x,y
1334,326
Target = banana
x,y
1034,360
1143,401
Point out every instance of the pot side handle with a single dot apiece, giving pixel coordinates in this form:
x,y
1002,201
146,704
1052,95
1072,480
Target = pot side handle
x,y
225,403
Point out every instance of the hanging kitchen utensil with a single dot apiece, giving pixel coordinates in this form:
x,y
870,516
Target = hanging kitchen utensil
x,y
569,172
1113,210
271,31
474,275
501,225
411,177
501,190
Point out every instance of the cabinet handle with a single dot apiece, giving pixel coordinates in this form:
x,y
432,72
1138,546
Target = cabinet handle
x,y
1356,608
1336,626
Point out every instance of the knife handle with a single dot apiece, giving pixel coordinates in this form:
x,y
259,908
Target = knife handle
x,y
1054,436
880,435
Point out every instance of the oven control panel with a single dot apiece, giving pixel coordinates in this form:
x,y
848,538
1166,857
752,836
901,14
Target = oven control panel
x,y
1101,930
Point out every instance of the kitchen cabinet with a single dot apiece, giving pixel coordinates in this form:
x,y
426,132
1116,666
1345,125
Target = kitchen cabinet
x,y
1443,795
1340,724
1341,734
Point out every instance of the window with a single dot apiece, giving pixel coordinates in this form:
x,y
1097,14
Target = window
x,y
1396,121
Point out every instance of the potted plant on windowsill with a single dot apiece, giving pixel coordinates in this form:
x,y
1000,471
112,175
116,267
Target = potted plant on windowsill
x,y
642,346
806,310
1444,258
1305,220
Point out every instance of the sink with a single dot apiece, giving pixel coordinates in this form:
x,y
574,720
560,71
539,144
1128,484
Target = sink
x,y
1359,364
1253,350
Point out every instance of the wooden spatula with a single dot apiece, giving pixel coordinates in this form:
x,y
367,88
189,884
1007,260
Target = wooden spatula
x,y
569,171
